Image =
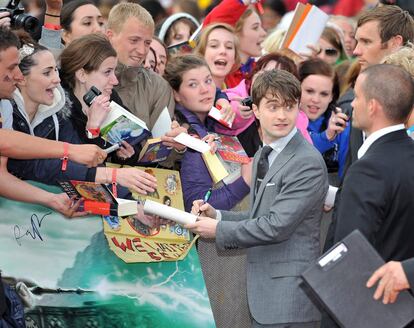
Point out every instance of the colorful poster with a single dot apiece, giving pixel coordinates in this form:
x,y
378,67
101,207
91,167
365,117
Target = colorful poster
x,y
69,277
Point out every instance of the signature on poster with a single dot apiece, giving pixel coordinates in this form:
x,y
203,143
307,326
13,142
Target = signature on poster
x,y
33,232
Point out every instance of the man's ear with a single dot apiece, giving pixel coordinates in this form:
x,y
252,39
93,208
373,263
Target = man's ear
x,y
373,106
176,96
80,75
396,42
256,111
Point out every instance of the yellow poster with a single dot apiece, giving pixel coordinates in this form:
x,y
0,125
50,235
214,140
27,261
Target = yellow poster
x,y
133,241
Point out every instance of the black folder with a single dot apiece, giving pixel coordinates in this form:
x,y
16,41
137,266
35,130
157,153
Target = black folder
x,y
339,278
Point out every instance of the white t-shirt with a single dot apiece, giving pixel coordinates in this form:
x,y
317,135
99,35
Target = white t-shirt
x,y
6,113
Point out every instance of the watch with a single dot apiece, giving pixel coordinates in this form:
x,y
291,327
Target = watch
x,y
93,133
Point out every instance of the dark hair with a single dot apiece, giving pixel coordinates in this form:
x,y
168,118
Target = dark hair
x,y
317,66
280,84
8,39
284,63
28,49
396,98
177,66
392,21
277,6
68,10
87,52
171,31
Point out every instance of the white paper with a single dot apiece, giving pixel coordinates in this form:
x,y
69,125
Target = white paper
x,y
168,212
191,142
216,114
117,111
310,31
162,125
330,196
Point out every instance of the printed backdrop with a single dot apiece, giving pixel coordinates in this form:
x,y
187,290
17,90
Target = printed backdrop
x,y
72,279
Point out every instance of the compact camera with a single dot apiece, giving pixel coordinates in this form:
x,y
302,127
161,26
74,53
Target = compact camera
x,y
90,96
19,19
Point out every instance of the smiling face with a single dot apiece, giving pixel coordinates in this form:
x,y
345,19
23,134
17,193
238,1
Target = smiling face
x,y
87,19
252,36
103,78
220,52
10,73
197,91
316,95
277,120
132,42
38,86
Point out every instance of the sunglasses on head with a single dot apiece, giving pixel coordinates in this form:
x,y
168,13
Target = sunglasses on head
x,y
331,52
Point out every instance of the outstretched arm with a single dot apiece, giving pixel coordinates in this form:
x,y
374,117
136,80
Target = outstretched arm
x,y
19,145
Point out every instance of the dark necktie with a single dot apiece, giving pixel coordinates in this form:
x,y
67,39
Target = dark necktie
x,y
263,164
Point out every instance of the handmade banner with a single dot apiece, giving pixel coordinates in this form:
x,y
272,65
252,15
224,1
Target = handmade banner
x,y
66,272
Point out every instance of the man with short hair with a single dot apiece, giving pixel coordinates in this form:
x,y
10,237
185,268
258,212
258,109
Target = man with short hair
x,y
376,195
281,228
130,31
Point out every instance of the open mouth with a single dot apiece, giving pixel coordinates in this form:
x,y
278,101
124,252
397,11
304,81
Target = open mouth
x,y
220,63
49,92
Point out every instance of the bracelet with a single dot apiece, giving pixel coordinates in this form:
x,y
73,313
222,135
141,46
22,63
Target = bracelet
x,y
65,157
50,15
114,191
52,27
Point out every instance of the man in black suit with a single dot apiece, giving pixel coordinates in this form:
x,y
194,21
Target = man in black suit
x,y
376,195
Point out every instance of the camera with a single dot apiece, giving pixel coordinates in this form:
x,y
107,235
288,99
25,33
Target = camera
x,y
247,102
90,96
19,19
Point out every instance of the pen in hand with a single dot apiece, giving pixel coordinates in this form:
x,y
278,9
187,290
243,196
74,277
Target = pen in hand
x,y
205,200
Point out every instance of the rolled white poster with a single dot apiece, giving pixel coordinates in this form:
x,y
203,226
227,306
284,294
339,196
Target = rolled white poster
x,y
168,212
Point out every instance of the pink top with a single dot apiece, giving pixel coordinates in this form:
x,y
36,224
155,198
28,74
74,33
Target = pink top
x,y
240,124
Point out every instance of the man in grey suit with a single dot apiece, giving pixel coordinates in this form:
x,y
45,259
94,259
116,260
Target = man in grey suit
x,y
281,228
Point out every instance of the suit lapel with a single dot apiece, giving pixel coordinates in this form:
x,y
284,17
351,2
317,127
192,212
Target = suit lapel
x,y
287,153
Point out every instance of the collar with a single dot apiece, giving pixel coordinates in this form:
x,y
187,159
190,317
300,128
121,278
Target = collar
x,y
281,143
375,136
195,123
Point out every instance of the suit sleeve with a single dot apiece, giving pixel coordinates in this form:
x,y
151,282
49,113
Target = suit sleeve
x,y
408,266
362,201
304,186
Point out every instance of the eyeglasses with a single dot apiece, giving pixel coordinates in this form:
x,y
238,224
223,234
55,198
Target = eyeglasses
x,y
331,52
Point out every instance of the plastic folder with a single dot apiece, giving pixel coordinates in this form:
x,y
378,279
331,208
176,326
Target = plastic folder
x,y
339,279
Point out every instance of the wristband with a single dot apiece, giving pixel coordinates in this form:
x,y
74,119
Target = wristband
x,y
65,156
114,191
93,133
51,15
53,27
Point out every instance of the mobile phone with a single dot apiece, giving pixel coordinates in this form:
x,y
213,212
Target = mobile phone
x,y
247,102
90,96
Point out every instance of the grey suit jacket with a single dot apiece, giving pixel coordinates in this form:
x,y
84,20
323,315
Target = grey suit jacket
x,y
281,232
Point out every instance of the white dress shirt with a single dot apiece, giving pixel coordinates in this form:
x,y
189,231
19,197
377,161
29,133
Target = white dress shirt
x,y
375,136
